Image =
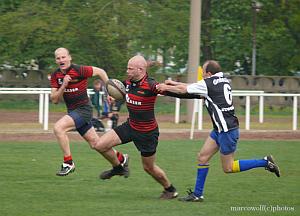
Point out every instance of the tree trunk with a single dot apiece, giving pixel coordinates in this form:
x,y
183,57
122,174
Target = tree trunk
x,y
194,49
206,31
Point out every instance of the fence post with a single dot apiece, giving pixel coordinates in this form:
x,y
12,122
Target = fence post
x,y
200,114
46,111
195,109
261,109
177,110
295,104
41,107
247,114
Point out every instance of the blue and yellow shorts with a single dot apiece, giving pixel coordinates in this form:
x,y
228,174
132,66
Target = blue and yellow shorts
x,y
227,141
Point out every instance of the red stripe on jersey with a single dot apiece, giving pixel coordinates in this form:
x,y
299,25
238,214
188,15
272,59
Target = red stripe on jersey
x,y
140,101
141,108
75,93
143,126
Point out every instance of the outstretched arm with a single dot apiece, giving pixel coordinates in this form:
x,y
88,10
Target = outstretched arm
x,y
176,89
172,86
173,83
103,76
100,73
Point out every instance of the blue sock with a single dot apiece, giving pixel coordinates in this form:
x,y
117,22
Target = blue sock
x,y
202,170
250,164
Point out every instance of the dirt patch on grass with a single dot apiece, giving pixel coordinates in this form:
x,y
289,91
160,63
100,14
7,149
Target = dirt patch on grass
x,y
171,133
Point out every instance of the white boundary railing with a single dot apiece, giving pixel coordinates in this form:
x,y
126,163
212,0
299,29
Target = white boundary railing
x,y
43,100
198,108
198,105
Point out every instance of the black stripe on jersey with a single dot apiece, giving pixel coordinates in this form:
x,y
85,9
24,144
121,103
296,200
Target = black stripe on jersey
x,y
140,101
141,116
217,102
217,116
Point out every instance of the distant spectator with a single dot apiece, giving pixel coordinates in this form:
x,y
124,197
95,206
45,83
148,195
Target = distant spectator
x,y
100,102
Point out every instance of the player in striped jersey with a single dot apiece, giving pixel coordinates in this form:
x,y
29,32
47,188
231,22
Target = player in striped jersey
x,y
141,126
70,82
216,90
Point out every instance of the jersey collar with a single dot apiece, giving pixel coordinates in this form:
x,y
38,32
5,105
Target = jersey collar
x,y
67,70
139,82
219,74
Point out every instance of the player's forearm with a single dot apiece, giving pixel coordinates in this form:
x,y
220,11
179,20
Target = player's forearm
x,y
56,94
100,73
173,83
183,96
178,89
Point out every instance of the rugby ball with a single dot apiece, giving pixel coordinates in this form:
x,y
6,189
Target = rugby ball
x,y
115,89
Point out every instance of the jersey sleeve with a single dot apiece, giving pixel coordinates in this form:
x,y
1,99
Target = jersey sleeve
x,y
86,71
183,96
53,81
153,85
199,88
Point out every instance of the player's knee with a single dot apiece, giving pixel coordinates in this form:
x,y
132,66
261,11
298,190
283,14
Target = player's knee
x,y
148,169
58,131
93,143
99,145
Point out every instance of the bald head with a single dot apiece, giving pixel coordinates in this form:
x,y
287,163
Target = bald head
x,y
61,50
136,68
63,58
138,61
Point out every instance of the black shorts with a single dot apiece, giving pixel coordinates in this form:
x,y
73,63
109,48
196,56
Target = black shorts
x,y
82,117
145,142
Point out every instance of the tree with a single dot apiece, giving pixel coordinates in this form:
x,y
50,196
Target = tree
x,y
107,32
277,39
280,39
165,31
30,32
206,47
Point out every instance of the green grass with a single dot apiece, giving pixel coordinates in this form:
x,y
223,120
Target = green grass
x,y
29,185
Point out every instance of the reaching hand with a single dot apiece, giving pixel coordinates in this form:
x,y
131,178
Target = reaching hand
x,y
66,80
172,86
161,87
110,99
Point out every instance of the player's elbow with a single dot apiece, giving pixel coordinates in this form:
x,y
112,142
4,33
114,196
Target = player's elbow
x,y
100,73
54,100
183,89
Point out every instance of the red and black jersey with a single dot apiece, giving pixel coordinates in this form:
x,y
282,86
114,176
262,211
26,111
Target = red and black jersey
x,y
140,100
75,94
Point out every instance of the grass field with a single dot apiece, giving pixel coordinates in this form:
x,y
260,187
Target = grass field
x,y
29,186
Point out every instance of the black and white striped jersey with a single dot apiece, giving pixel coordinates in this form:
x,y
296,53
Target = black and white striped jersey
x,y
218,100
